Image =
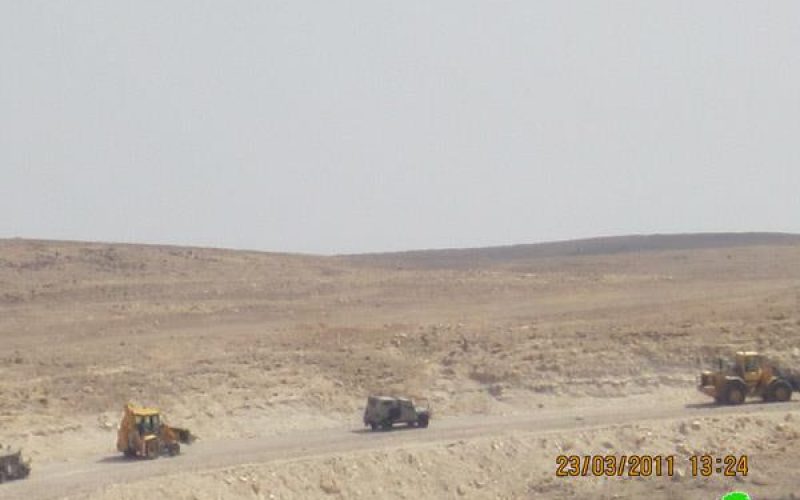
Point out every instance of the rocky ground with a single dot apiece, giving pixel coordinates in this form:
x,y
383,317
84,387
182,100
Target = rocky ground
x,y
244,344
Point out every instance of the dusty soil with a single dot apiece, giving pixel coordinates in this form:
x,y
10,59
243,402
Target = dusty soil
x,y
245,346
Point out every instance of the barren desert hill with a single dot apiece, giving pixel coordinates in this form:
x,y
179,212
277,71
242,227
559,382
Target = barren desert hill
x,y
607,245
31,253
188,277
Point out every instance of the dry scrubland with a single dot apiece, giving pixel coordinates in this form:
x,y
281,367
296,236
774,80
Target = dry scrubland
x,y
241,344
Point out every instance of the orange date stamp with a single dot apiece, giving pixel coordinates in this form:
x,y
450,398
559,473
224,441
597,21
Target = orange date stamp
x,y
648,465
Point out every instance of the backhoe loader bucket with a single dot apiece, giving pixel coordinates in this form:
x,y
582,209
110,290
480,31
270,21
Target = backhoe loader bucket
x,y
184,435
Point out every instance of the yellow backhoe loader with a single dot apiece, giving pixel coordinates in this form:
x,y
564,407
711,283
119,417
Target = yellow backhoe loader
x,y
142,433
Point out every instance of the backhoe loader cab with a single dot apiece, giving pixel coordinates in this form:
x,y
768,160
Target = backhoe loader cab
x,y
750,374
147,424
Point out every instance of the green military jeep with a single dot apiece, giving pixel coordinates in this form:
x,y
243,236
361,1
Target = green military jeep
x,y
383,412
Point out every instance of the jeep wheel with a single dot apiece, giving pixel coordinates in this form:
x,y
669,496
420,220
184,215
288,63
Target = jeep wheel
x,y
422,421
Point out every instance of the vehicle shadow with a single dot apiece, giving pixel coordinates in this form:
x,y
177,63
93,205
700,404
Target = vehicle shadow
x,y
399,428
122,459
711,404
115,459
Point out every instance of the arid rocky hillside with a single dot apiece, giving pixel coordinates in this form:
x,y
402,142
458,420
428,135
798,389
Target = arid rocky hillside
x,y
237,344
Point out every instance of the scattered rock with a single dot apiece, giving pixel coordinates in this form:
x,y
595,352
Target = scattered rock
x,y
329,486
105,424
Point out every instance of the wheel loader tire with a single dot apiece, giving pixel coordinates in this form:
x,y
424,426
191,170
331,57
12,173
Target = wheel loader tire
x,y
781,391
734,393
422,421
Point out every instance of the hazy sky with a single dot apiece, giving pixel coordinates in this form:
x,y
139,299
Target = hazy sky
x,y
372,125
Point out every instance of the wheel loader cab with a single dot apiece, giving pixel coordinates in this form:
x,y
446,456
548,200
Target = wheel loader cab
x,y
751,362
749,366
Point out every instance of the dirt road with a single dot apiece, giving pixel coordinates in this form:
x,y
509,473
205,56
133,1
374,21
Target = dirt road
x,y
62,480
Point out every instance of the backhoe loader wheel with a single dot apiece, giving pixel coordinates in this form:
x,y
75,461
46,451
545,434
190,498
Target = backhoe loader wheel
x,y
734,393
152,449
781,391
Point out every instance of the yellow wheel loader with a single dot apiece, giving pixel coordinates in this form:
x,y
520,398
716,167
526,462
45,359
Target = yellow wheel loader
x,y
142,433
748,374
